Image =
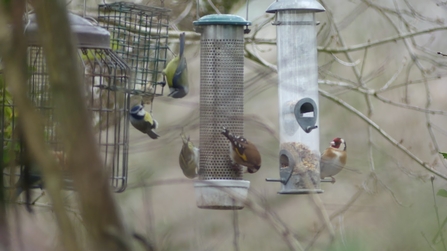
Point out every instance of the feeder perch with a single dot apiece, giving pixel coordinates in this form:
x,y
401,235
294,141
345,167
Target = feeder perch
x,y
139,35
299,155
104,73
221,105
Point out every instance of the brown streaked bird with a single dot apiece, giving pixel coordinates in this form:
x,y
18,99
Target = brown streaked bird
x,y
243,152
189,158
333,159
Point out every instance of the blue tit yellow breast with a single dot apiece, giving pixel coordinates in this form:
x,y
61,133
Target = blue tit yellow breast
x,y
148,118
170,70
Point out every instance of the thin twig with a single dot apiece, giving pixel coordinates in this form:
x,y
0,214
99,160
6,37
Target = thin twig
x,y
382,132
235,230
213,6
428,242
335,214
391,192
380,42
324,215
436,211
395,75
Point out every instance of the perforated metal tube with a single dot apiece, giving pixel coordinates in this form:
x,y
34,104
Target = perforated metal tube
x,y
221,105
221,97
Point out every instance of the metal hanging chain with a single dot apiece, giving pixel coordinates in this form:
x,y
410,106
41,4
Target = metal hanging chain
x,y
197,10
246,10
85,8
247,30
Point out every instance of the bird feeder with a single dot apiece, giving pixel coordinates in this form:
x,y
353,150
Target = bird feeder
x,y
221,105
139,35
104,73
299,154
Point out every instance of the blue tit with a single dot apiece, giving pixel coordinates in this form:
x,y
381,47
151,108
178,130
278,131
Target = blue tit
x,y
189,158
243,152
143,121
30,177
176,73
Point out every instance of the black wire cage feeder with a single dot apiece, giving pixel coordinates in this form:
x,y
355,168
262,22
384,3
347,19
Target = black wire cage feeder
x,y
106,79
139,35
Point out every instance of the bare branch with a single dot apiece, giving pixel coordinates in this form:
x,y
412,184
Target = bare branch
x,y
383,41
383,133
394,77
90,179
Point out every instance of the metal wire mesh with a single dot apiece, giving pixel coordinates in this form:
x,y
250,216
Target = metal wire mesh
x,y
139,35
104,73
221,98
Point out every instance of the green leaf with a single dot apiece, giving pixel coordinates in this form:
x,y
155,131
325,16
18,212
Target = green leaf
x,y
442,193
444,155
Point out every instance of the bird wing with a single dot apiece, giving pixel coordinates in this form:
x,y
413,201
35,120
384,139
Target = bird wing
x,y
188,161
330,164
152,134
240,152
148,118
170,70
180,78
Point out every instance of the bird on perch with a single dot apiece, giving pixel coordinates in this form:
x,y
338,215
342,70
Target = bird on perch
x,y
189,158
143,121
333,159
176,73
31,176
243,152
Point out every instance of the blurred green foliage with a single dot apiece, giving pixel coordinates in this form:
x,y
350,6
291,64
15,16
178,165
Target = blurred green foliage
x,y
8,116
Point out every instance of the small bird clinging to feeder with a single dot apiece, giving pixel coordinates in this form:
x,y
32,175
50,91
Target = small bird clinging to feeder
x,y
143,121
333,159
243,152
176,73
189,158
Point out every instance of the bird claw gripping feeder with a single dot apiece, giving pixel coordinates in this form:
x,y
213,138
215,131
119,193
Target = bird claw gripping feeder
x,y
299,155
104,73
220,186
139,35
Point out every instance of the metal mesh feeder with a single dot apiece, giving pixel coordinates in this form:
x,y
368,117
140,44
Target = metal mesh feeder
x,y
221,105
299,156
139,35
104,73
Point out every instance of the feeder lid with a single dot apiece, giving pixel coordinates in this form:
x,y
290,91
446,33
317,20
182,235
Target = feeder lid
x,y
221,19
300,5
88,35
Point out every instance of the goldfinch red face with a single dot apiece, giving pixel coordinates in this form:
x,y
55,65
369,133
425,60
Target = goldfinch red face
x,y
338,143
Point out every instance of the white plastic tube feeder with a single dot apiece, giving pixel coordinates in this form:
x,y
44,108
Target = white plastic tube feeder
x,y
221,105
299,156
